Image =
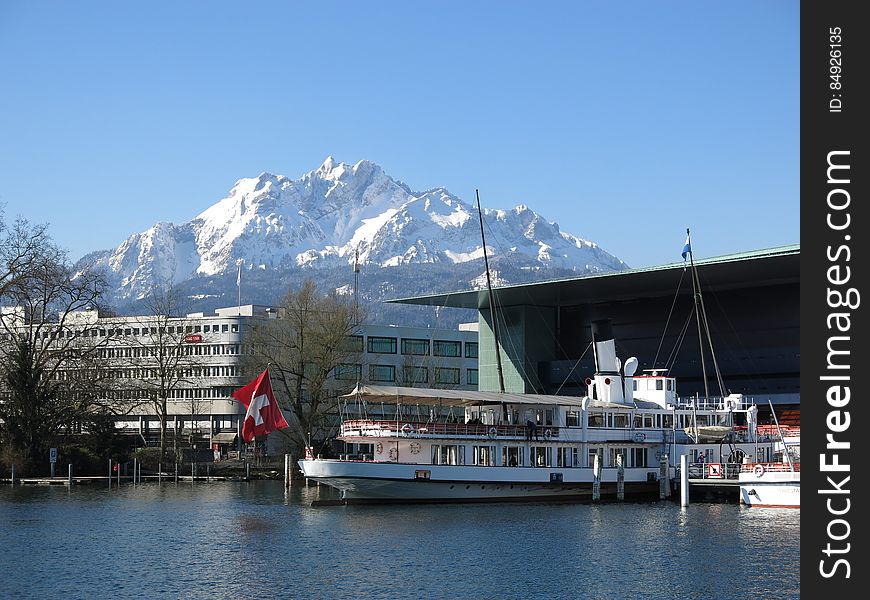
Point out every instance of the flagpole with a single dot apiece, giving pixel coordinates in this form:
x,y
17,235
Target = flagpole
x,y
239,286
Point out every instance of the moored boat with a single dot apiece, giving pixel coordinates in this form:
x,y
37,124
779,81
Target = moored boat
x,y
623,439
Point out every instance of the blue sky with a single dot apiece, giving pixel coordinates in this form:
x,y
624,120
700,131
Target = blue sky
x,y
625,122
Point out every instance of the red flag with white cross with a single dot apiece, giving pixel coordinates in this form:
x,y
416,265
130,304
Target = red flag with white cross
x,y
263,413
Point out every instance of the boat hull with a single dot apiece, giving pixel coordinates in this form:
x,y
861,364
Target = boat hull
x,y
386,482
771,489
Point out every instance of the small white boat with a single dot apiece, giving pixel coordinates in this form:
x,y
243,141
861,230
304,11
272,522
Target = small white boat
x,y
775,484
770,484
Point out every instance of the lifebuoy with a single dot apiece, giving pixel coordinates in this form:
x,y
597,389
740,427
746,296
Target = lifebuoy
x,y
406,428
547,433
492,432
639,437
758,470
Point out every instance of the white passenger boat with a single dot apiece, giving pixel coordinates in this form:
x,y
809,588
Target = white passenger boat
x,y
624,438
775,484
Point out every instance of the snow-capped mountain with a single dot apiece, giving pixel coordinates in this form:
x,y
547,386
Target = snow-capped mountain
x,y
271,224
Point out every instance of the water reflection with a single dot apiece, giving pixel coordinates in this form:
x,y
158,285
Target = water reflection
x,y
236,539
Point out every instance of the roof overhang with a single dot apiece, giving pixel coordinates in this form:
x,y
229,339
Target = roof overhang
x,y
753,269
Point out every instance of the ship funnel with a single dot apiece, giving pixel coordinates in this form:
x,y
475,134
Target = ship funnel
x,y
605,347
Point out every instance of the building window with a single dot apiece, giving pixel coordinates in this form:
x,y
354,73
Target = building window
x,y
413,375
446,375
472,376
470,349
415,347
349,372
382,345
446,348
382,372
352,343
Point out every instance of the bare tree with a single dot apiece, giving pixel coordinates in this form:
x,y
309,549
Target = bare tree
x,y
303,347
51,381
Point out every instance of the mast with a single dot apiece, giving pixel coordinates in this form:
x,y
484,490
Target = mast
x,y
702,314
695,294
491,303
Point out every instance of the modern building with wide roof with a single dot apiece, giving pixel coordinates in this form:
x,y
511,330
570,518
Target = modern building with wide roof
x,y
751,300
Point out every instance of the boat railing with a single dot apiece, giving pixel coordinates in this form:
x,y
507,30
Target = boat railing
x,y
707,470
763,467
411,429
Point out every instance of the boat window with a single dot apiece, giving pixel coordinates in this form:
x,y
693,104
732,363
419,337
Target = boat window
x,y
634,384
620,420
512,456
436,453
541,456
483,455
613,454
638,421
596,420
572,418
591,456
450,454
647,421
548,416
563,457
670,384
638,457
660,385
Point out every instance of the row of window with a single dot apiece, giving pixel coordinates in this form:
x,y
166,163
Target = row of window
x,y
137,331
178,394
184,350
409,374
641,420
539,456
411,346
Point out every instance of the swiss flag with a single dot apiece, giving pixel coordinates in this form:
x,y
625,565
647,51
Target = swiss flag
x,y
263,413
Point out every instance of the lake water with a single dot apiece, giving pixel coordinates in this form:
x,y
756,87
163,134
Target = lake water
x,y
253,540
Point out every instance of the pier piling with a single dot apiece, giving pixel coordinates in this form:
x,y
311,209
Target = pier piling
x,y
684,480
69,475
596,479
288,460
620,478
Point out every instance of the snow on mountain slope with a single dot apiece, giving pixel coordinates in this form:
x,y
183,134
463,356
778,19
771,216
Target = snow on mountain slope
x,y
323,218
